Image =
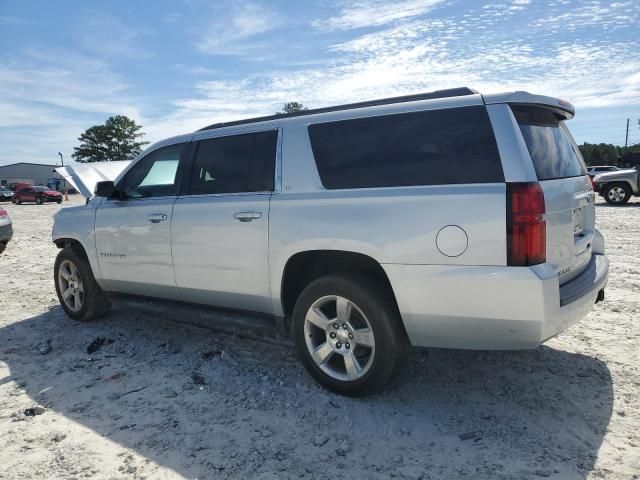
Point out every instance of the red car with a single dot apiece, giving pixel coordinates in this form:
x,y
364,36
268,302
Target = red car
x,y
38,195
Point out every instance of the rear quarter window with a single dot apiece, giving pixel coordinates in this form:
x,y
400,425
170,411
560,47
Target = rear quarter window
x,y
553,152
435,147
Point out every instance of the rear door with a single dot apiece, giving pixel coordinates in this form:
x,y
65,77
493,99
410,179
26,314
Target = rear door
x,y
569,197
220,226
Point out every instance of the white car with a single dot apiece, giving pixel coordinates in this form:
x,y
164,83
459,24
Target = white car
x,y
447,219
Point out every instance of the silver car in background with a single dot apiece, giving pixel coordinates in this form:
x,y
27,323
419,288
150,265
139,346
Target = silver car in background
x,y
6,229
446,219
619,186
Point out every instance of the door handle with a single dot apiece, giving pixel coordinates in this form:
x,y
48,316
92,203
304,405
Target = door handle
x,y
157,217
247,216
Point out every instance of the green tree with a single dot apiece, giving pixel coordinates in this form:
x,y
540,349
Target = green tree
x,y
292,107
118,139
600,154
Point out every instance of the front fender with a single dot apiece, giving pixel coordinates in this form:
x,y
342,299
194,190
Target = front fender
x,y
78,224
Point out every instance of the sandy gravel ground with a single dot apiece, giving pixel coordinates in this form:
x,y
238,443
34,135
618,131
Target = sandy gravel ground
x,y
164,400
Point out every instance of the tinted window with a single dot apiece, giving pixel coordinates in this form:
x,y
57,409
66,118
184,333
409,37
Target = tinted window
x,y
236,163
419,148
154,175
553,151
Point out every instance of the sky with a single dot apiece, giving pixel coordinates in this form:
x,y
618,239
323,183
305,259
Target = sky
x,y
176,66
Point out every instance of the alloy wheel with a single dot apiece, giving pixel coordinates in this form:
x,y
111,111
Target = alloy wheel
x,y
70,284
339,338
617,194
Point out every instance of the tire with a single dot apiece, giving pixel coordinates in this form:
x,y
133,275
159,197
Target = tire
x,y
93,302
376,365
59,201
17,200
3,246
39,201
617,193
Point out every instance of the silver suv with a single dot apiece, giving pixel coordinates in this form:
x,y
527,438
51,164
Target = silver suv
x,y
447,219
619,186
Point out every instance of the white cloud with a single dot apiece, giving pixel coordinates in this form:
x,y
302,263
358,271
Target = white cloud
x,y
105,35
419,56
57,94
372,13
224,34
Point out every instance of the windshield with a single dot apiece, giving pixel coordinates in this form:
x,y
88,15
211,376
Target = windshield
x,y
553,152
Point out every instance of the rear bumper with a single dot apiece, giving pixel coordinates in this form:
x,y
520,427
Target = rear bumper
x,y
492,307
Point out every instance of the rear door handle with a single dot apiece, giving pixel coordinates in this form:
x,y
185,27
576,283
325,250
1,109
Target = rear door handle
x,y
247,216
157,217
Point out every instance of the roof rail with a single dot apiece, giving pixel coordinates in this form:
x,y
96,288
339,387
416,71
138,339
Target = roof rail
x,y
450,92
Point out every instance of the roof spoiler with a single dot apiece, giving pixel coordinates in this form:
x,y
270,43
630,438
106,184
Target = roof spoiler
x,y
562,107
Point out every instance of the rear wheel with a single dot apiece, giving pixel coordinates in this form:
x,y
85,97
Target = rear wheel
x,y
79,294
617,193
348,334
39,200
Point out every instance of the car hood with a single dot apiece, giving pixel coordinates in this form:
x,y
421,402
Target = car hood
x,y
84,177
617,175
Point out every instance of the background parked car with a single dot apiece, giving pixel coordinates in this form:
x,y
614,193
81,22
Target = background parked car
x,y
38,195
5,194
6,229
618,187
598,169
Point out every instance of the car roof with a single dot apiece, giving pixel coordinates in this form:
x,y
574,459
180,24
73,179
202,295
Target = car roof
x,y
518,97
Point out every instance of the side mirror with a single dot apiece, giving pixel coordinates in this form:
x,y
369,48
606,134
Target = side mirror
x,y
104,189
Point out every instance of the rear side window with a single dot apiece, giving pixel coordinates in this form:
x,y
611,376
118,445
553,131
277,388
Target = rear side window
x,y
435,147
552,150
236,163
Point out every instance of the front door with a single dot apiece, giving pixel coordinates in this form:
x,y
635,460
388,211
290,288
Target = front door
x,y
133,230
220,227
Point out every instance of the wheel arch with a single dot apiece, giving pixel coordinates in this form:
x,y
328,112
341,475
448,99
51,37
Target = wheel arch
x,y
73,243
303,267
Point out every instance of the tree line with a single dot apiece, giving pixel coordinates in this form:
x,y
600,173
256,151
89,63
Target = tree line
x,y
607,154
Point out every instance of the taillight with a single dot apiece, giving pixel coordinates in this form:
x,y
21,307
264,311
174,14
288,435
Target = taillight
x,y
526,227
3,213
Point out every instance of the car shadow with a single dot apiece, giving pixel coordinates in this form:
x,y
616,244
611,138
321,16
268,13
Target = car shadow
x,y
209,404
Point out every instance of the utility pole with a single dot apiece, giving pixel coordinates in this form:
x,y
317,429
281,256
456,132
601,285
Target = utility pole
x,y
66,194
62,159
626,138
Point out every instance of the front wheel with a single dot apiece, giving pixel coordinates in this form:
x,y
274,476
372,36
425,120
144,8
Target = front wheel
x,y
617,193
348,334
79,294
17,200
